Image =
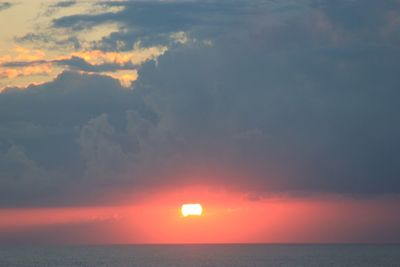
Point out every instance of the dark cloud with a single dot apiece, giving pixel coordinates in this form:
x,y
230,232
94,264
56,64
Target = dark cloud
x,y
80,64
288,122
65,3
54,8
50,40
300,101
153,21
20,64
40,128
5,5
73,63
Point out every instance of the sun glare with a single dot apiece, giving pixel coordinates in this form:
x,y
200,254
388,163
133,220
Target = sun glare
x,y
191,210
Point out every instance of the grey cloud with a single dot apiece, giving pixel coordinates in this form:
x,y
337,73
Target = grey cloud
x,y
321,109
51,9
18,64
103,156
46,121
50,40
304,102
5,5
23,180
65,3
78,63
154,21
73,63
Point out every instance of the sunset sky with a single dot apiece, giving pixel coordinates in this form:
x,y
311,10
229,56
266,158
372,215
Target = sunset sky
x,y
281,118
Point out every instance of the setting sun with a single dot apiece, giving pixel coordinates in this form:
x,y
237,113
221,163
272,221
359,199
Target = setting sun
x,y
191,210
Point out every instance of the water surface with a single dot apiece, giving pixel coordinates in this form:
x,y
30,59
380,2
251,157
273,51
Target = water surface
x,y
204,255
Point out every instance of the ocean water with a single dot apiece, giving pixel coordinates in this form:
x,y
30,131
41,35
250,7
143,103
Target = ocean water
x,y
204,255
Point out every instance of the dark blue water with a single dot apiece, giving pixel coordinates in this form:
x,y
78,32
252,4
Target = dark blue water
x,y
203,255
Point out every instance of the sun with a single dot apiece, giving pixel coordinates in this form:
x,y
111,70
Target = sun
x,y
191,210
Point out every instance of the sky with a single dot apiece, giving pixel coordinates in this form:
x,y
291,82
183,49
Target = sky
x,y
279,117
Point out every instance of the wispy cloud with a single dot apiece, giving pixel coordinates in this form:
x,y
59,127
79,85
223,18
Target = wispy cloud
x,y
119,65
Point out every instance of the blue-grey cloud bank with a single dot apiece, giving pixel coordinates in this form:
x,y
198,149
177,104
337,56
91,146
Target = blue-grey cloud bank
x,y
269,97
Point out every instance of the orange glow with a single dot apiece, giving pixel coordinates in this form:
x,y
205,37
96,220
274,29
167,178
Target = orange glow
x,y
231,217
137,56
43,66
191,210
11,73
126,78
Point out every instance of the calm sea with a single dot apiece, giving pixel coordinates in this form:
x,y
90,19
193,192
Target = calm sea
x,y
203,255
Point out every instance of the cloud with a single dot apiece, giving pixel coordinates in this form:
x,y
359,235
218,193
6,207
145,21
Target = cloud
x,y
54,8
287,101
42,35
86,59
102,154
22,179
119,65
153,22
137,56
5,5
65,3
54,135
11,73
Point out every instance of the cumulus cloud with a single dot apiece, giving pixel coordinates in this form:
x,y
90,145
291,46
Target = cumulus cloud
x,y
23,180
103,156
288,101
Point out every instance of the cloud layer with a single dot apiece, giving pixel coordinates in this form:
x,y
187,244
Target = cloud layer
x,y
283,99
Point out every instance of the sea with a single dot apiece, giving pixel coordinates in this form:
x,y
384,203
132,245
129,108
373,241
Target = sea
x,y
203,255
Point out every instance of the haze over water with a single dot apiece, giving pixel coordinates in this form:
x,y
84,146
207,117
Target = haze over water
x,y
204,255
